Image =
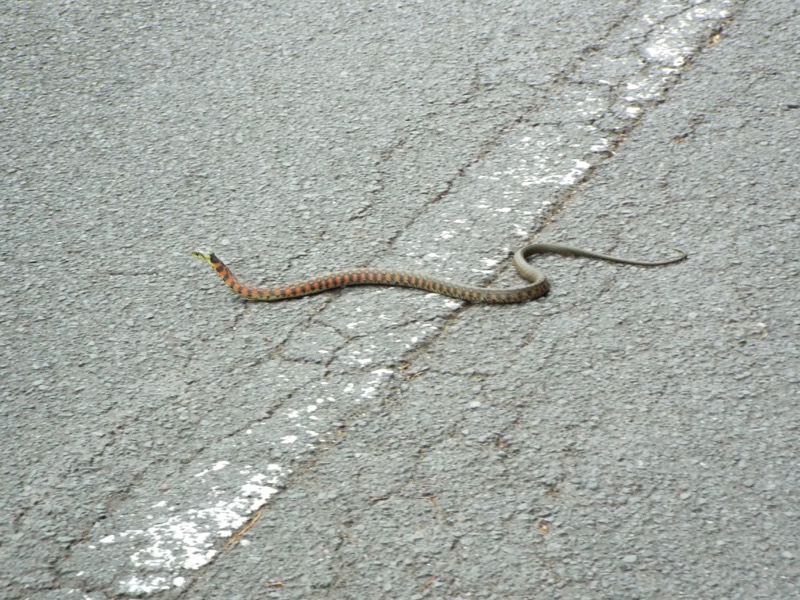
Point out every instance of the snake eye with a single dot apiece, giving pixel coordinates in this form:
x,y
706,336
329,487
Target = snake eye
x,y
206,256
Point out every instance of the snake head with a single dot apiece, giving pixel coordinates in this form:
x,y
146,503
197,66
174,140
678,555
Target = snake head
x,y
209,257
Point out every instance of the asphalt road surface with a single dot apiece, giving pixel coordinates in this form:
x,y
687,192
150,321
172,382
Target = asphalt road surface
x,y
634,434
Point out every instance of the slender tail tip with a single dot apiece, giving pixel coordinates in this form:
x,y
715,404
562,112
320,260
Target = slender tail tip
x,y
683,255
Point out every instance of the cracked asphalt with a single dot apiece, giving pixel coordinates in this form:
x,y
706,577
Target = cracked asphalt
x,y
634,434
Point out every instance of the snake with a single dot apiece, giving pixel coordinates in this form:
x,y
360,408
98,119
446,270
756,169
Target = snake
x,y
538,284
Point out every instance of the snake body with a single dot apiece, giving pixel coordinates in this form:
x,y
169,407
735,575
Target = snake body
x,y
539,286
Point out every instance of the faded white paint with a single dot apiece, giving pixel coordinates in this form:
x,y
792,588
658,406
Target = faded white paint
x,y
180,540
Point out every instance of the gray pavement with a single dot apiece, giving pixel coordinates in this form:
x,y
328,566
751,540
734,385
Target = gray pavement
x,y
632,435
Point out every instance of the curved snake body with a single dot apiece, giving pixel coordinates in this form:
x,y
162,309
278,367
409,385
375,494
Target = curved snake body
x,y
539,286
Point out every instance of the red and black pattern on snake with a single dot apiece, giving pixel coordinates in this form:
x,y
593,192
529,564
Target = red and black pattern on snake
x,y
330,282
